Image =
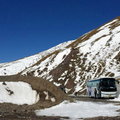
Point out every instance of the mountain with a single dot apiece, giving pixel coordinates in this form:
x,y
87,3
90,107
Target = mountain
x,y
70,64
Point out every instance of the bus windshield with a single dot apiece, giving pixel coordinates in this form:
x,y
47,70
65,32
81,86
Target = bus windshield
x,y
108,82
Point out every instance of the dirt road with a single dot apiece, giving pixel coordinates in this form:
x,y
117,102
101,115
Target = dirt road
x,y
86,98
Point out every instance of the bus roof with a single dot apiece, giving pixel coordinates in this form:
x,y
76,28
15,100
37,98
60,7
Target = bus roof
x,y
100,79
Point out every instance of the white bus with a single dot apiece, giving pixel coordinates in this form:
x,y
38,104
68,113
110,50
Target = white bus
x,y
103,87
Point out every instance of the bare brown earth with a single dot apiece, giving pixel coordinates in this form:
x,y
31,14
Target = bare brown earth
x,y
31,116
104,118
28,116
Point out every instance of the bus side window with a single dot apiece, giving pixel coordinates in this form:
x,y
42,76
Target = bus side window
x,y
97,85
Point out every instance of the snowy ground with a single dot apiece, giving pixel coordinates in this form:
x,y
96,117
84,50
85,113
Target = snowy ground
x,y
80,109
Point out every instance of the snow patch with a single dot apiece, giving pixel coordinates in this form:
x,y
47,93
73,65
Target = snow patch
x,y
17,93
80,109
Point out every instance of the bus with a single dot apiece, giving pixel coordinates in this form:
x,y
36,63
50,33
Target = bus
x,y
102,88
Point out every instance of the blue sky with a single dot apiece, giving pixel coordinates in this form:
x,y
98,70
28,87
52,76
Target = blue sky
x,y
28,27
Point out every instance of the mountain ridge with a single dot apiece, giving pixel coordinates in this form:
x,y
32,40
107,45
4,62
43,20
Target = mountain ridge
x,y
71,64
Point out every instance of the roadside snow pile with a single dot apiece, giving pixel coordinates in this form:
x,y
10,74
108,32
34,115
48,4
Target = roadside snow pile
x,y
17,93
80,109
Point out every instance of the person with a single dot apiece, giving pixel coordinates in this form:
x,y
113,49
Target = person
x,y
95,92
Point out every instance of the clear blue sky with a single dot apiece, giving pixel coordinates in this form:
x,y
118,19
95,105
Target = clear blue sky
x,y
28,27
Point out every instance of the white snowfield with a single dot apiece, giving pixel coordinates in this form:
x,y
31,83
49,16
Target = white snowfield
x,y
17,93
80,109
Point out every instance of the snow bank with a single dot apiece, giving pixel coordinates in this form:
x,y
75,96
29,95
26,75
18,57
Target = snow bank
x,y
80,109
17,93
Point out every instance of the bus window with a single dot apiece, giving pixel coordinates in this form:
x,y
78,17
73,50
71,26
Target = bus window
x,y
108,83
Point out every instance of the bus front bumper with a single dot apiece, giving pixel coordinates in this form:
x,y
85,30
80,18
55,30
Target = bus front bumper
x,y
108,94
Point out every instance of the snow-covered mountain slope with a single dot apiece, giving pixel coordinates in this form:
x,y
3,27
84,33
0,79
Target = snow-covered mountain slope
x,y
17,66
69,65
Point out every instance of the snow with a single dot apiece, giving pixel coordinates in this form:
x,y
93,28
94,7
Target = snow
x,y
108,24
17,93
17,66
80,109
59,58
51,62
116,30
53,99
98,50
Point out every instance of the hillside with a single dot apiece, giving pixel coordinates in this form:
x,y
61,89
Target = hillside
x,y
70,64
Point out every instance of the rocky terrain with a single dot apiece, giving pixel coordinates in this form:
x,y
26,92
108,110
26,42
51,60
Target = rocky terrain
x,y
33,117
